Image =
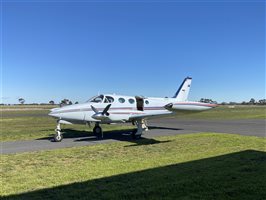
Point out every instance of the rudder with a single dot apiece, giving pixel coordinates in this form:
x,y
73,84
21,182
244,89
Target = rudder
x,y
183,91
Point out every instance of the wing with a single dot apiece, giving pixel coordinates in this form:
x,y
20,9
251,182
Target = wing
x,y
138,117
148,116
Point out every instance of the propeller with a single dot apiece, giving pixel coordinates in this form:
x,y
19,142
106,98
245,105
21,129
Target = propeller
x,y
105,111
101,115
94,109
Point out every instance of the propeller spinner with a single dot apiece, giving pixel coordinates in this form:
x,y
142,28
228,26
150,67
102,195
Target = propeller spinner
x,y
101,115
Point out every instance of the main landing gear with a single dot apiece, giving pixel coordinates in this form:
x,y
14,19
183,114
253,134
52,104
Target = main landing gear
x,y
97,131
58,135
141,125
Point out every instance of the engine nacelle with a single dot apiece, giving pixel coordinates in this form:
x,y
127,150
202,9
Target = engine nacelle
x,y
189,106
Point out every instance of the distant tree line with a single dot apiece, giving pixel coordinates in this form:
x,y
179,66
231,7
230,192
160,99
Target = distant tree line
x,y
65,102
207,101
252,101
51,102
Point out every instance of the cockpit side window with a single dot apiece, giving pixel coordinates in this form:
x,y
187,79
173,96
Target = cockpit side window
x,y
97,99
108,99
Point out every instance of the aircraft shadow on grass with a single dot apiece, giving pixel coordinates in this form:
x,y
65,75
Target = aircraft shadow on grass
x,y
119,135
239,175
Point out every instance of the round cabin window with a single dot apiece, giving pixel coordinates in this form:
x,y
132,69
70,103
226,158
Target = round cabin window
x,y
131,101
121,100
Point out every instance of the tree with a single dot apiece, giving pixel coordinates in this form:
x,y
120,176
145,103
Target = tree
x,y
207,100
21,100
76,102
64,102
51,102
252,101
262,102
202,100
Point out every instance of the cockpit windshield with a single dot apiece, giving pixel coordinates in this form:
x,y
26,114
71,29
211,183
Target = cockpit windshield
x,y
97,99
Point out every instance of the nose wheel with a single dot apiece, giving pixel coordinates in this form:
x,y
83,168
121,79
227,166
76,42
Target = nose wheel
x,y
97,131
58,135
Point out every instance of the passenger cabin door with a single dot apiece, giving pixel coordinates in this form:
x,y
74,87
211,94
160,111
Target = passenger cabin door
x,y
140,103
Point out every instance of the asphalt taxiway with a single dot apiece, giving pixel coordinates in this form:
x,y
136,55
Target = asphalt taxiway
x,y
158,127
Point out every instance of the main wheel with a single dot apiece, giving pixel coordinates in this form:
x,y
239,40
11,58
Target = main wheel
x,y
97,130
58,137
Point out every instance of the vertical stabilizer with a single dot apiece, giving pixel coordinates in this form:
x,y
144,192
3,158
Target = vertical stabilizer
x,y
183,91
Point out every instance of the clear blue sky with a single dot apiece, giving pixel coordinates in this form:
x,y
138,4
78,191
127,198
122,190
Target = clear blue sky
x,y
74,50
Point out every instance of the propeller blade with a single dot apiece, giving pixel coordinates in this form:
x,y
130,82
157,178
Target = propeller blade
x,y
94,109
105,111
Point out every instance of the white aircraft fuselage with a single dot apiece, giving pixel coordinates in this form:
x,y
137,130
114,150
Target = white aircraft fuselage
x,y
112,108
125,112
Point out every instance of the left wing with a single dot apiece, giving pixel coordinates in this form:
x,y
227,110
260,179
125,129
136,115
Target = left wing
x,y
140,116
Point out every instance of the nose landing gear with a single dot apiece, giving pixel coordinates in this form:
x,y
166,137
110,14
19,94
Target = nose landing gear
x,y
58,135
97,131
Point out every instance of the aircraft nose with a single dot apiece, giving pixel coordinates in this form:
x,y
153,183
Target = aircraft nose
x,y
54,112
54,109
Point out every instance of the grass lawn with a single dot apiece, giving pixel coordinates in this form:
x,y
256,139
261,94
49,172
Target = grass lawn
x,y
22,123
193,166
27,107
34,124
25,128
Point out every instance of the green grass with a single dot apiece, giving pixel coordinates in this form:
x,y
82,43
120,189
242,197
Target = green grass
x,y
34,124
13,107
25,128
19,124
194,166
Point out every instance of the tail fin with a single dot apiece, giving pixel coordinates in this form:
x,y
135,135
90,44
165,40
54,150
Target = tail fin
x,y
183,91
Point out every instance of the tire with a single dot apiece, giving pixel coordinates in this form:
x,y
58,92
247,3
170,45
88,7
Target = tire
x,y
97,130
58,138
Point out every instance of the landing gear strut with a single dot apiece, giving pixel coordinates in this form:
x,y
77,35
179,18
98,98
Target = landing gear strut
x,y
145,125
138,132
97,131
58,135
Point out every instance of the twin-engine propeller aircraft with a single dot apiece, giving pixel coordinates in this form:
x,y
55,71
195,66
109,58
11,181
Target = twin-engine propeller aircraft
x,y
111,108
